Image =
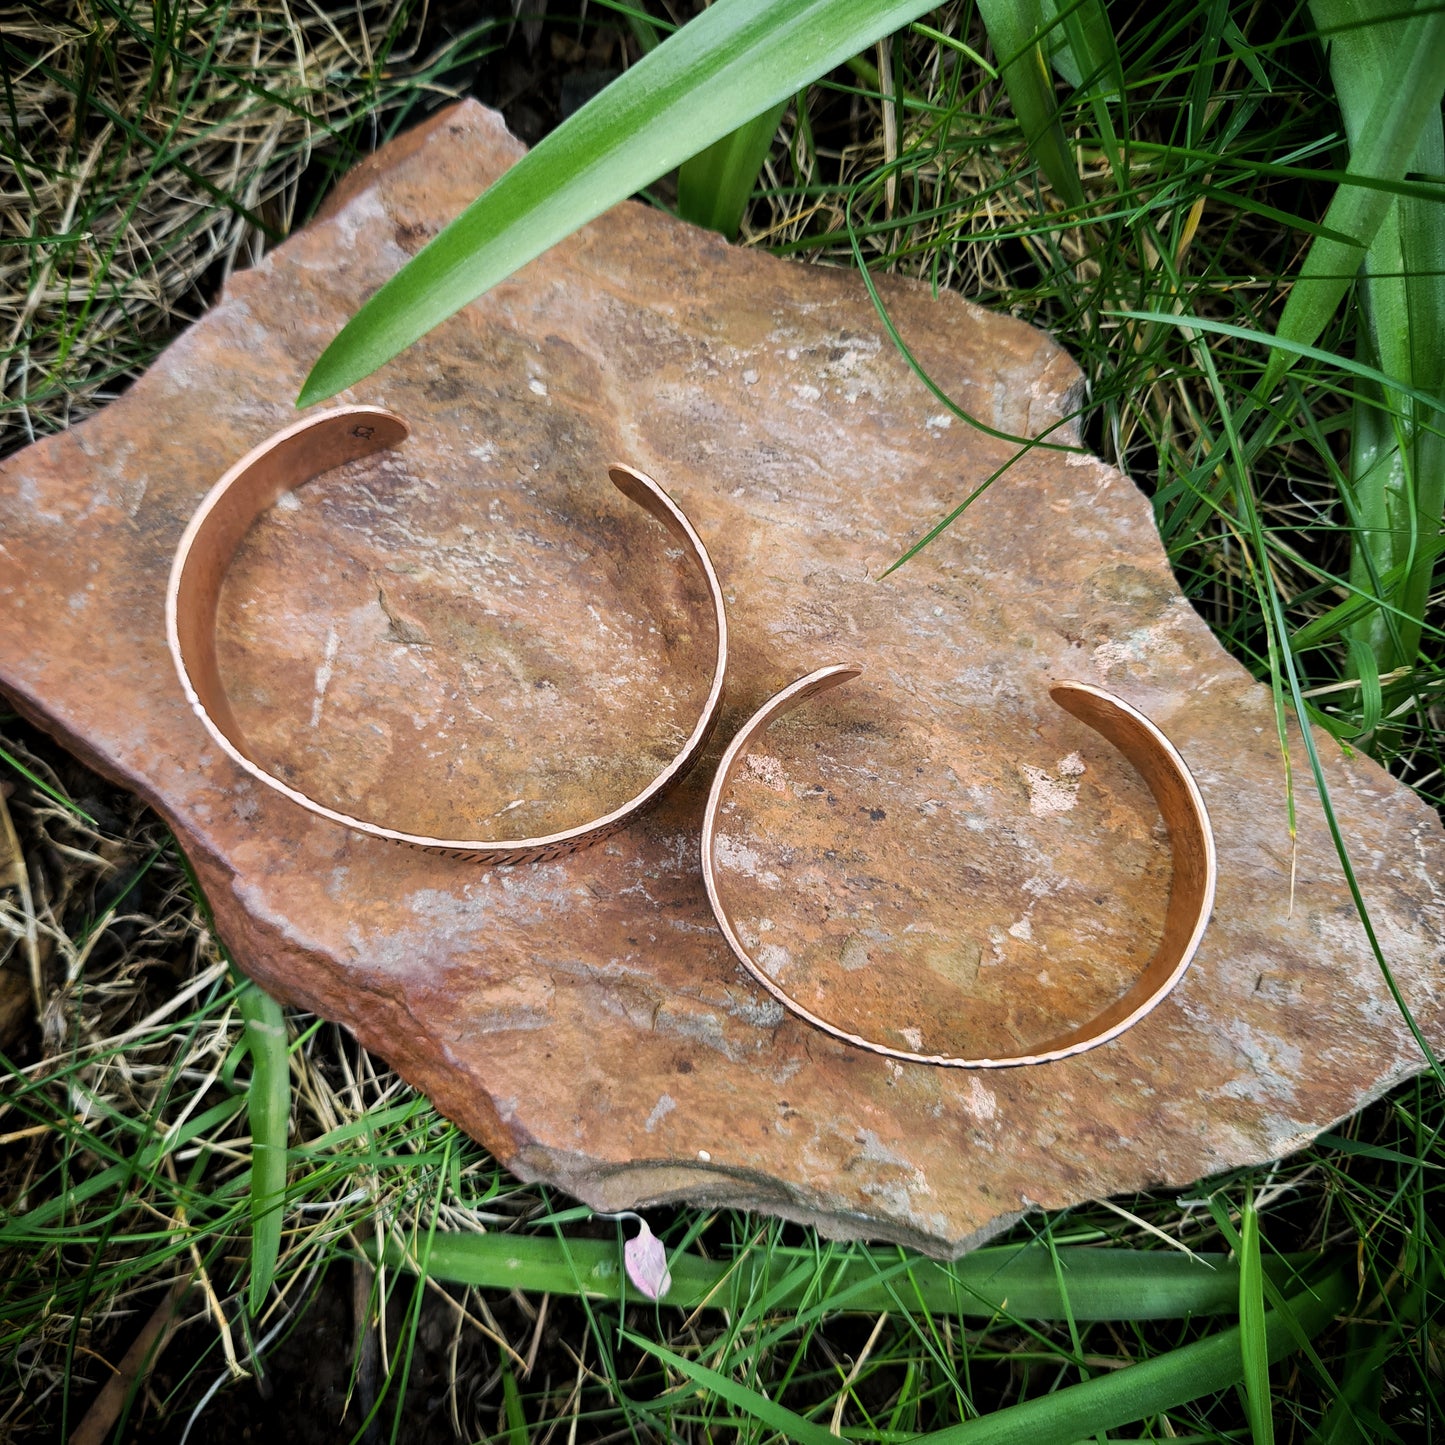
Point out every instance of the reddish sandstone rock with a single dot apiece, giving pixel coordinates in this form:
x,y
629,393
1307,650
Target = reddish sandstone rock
x,y
476,631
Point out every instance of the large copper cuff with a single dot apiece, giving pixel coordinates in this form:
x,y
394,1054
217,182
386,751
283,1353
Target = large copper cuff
x,y
1191,893
290,459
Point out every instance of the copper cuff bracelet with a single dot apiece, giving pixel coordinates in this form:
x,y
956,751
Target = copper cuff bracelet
x,y
1191,892
290,459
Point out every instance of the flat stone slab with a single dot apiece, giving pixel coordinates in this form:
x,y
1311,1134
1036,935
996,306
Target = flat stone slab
x,y
477,627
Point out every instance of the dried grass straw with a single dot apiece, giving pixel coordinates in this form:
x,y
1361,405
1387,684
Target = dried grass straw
x,y
149,149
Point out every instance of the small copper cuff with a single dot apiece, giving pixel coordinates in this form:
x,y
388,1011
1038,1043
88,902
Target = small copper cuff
x,y
1191,893
290,459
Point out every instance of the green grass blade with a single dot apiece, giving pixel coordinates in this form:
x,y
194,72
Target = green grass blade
x,y
1415,529
1363,668
29,1228
1293,350
713,187
1253,1339
736,60
1375,473
512,1411
1345,1145
1015,28
1078,41
1286,678
1114,1284
268,1107
1388,137
1123,1396
54,794
789,1425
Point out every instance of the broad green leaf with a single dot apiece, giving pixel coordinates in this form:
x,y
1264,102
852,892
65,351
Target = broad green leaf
x,y
1387,138
268,1107
1119,1284
1253,1342
1083,48
1017,29
714,186
1091,47
736,60
1417,529
1137,1391
1398,492
1376,472
1363,668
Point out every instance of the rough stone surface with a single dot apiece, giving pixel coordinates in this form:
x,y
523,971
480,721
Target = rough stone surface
x,y
477,627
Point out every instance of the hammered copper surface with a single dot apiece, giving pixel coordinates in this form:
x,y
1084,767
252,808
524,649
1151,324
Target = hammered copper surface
x,y
454,629
852,976
270,475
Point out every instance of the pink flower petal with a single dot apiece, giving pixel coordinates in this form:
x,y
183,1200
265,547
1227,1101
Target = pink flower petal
x,y
646,1262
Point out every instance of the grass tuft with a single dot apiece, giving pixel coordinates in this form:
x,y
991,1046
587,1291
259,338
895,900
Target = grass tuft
x,y
147,151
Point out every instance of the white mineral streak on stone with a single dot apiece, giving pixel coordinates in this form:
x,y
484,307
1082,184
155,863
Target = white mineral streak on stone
x,y
1120,652
856,378
761,1013
1048,795
1142,645
1041,885
323,674
1023,929
785,1070
767,770
913,1038
875,1150
981,1102
702,1026
340,239
734,854
513,1005
941,422
855,954
664,1106
899,1194
1275,1063
537,387
773,959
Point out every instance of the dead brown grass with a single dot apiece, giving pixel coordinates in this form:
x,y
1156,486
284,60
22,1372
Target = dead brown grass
x,y
146,150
